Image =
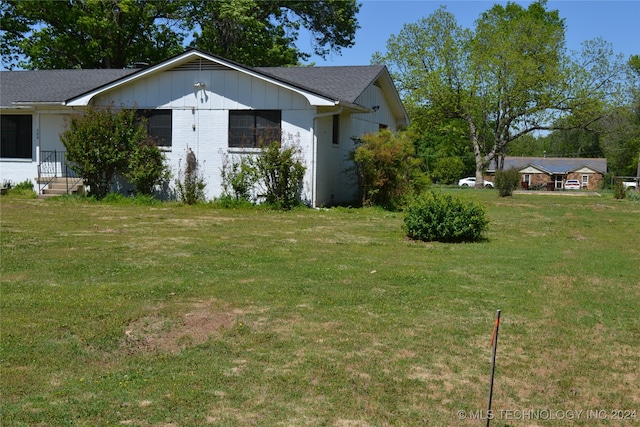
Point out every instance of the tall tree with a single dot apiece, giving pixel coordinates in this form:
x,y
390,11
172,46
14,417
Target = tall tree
x,y
51,34
509,77
263,33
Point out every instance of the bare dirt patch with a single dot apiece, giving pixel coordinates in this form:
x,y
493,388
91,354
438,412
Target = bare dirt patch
x,y
192,326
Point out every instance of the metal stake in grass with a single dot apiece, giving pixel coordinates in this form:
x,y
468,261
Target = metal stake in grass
x,y
494,345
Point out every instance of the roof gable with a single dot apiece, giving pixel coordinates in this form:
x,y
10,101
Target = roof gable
x,y
186,61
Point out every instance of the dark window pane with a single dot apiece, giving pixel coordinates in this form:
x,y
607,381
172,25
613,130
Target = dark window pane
x,y
251,128
16,136
159,126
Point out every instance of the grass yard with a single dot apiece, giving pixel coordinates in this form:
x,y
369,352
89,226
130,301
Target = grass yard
x,y
168,315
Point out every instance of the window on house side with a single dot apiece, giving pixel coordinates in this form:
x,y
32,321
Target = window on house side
x,y
16,135
336,130
159,125
252,128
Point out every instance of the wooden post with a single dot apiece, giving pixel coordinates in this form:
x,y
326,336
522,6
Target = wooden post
x,y
494,345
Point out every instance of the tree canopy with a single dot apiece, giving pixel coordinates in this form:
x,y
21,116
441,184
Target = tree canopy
x,y
51,34
509,77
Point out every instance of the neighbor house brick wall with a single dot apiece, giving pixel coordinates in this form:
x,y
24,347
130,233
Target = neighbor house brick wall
x,y
594,179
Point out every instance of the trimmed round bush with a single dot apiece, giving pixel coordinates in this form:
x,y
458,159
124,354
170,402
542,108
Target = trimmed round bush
x,y
445,218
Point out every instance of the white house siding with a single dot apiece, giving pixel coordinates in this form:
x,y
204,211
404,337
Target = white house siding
x,y
201,116
47,125
336,180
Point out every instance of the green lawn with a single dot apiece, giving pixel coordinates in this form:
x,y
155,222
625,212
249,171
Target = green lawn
x,y
170,315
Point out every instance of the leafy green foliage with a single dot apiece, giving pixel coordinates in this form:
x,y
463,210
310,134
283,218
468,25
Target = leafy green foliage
x,y
52,34
507,181
106,142
280,172
147,168
619,192
263,33
190,184
89,33
447,169
387,169
445,217
507,78
238,178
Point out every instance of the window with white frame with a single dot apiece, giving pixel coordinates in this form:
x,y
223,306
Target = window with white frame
x,y
585,181
253,128
159,126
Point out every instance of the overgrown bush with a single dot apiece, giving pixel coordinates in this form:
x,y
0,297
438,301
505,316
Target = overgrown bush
x,y
619,192
106,142
279,170
238,178
387,170
507,181
190,184
444,217
147,168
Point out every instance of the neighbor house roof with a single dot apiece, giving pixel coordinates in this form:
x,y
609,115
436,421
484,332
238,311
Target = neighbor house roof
x,y
553,165
52,86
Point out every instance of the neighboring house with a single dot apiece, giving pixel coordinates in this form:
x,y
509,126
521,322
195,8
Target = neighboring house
x,y
217,108
551,172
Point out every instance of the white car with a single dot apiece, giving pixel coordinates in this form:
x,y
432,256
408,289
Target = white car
x,y
572,184
471,182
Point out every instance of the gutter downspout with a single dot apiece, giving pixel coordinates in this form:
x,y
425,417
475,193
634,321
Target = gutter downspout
x,y
314,149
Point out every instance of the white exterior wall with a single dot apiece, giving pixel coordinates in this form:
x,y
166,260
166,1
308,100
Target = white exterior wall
x,y
47,125
337,183
201,116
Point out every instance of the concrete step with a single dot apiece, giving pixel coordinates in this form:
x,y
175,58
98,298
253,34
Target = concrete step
x,y
60,186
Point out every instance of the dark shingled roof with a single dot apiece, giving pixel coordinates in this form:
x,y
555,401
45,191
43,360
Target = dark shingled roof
x,y
559,165
344,83
54,86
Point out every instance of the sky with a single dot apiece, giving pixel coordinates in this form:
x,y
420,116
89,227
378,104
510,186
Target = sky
x,y
617,22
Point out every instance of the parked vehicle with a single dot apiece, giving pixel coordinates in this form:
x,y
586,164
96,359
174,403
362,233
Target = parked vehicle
x,y
631,185
572,184
471,182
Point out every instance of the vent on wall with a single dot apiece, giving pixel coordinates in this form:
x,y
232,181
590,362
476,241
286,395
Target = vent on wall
x,y
199,65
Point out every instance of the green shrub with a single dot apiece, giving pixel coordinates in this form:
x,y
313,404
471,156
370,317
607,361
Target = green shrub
x,y
507,181
280,172
444,217
238,178
147,168
388,172
619,192
107,142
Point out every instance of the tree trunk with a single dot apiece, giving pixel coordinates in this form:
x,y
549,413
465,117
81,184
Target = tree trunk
x,y
480,159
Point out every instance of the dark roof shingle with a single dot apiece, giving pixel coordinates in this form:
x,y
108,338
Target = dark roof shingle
x,y
55,86
344,83
558,165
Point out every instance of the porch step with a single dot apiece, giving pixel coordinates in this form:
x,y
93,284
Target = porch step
x,y
61,186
